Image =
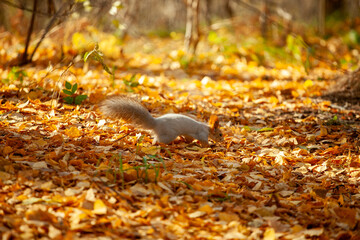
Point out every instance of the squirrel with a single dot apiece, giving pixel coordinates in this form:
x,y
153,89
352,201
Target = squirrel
x,y
165,128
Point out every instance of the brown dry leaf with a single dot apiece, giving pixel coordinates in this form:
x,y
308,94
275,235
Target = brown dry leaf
x,y
228,217
139,190
346,216
4,176
39,215
6,150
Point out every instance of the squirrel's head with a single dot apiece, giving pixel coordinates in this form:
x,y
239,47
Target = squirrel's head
x,y
215,133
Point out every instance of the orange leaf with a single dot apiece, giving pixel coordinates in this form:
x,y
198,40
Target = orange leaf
x,y
73,132
7,150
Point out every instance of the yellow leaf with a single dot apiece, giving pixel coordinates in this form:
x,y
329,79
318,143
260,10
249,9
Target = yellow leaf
x,y
156,60
252,64
52,128
73,132
110,46
206,208
22,126
297,228
269,234
274,100
153,150
99,207
229,70
79,41
21,197
165,199
307,101
308,83
153,94
103,166
295,94
348,57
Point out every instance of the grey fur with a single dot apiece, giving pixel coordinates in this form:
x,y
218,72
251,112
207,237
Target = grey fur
x,y
128,110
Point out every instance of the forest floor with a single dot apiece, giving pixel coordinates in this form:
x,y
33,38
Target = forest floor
x,y
288,168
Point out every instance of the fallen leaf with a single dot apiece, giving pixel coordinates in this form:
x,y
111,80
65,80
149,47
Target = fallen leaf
x,y
99,207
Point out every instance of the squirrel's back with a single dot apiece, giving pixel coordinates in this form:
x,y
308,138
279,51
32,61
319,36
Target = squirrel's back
x,y
127,109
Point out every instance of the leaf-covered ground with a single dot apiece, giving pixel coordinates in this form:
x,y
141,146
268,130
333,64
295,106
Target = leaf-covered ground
x,y
289,166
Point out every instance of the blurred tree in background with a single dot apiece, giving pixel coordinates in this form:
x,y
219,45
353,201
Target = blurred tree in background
x,y
275,20
139,17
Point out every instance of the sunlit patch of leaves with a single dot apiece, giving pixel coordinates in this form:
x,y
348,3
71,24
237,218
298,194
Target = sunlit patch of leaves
x,y
284,154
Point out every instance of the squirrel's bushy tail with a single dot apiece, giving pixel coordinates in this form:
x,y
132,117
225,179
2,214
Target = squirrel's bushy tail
x,y
127,109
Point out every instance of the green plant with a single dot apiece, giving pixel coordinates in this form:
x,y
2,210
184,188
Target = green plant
x,y
15,74
187,185
156,168
333,121
296,46
146,167
113,76
218,198
310,52
138,143
131,83
185,61
216,39
264,129
121,171
97,55
72,98
157,171
224,44
116,167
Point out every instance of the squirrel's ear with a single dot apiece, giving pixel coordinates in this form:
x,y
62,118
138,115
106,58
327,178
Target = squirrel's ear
x,y
214,122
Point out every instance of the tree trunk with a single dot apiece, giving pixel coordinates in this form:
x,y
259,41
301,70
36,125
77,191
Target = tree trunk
x,y
24,59
192,32
322,16
264,19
